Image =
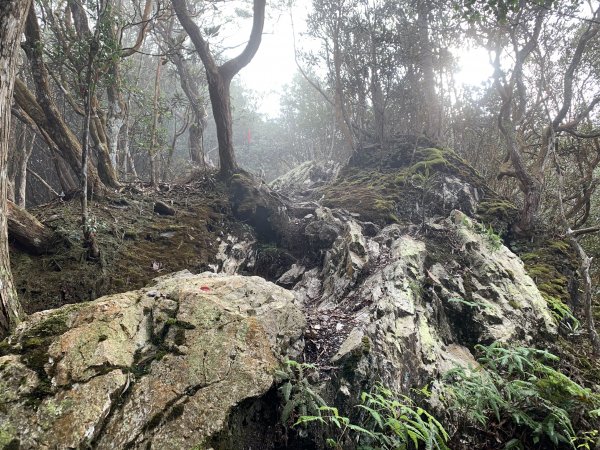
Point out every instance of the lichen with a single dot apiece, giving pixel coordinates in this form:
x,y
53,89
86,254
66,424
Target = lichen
x,y
8,438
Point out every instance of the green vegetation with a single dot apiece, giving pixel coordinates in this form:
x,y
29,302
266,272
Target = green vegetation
x,y
396,184
546,265
298,396
493,239
471,304
498,213
389,420
518,394
138,245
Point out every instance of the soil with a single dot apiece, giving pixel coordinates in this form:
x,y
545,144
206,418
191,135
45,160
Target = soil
x,y
136,243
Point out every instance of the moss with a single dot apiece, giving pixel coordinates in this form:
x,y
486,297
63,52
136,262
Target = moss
x,y
32,342
5,347
498,208
398,184
8,438
514,304
366,344
131,241
559,310
429,160
160,354
130,235
561,246
550,264
55,325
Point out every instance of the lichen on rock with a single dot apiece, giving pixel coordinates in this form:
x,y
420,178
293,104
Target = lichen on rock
x,y
162,366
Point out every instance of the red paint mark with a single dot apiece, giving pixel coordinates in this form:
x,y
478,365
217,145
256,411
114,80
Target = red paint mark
x,y
205,288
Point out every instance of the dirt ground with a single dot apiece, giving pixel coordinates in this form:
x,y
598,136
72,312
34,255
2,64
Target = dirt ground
x,y
136,243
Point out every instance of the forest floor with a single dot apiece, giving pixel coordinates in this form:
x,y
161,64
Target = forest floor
x,y
136,243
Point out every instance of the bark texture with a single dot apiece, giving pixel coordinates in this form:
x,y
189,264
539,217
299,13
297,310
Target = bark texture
x,y
12,18
28,232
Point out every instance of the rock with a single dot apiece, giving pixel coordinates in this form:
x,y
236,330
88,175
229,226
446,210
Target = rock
x,y
235,253
419,302
321,234
306,177
160,367
292,276
163,209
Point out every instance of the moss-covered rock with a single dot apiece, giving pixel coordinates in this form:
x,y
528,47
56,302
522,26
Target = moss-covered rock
x,y
552,264
409,180
160,367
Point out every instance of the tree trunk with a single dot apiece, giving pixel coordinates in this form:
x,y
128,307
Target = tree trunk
x,y
12,18
117,111
22,185
196,129
377,97
14,159
153,151
221,106
219,77
430,107
42,108
17,167
63,171
28,232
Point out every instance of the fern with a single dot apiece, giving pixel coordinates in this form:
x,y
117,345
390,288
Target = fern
x,y
391,421
518,384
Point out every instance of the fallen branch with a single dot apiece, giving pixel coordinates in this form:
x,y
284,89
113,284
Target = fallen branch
x,y
28,232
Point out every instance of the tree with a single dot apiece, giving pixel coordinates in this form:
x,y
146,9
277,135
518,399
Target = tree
x,y
219,77
384,65
190,84
535,113
12,20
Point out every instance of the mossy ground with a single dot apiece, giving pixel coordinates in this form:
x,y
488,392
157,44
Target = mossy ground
x,y
553,266
396,182
136,244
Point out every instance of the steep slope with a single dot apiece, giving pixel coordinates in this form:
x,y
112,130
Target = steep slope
x,y
394,273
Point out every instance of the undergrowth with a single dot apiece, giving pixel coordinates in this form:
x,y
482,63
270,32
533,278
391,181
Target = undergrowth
x,y
389,420
516,398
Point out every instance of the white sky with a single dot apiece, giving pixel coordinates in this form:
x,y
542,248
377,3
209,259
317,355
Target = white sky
x,y
274,65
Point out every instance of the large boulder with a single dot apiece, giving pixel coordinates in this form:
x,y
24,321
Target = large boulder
x,y
409,303
161,367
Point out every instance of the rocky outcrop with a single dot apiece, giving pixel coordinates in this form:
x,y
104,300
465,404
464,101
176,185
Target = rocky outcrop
x,y
160,367
306,177
409,303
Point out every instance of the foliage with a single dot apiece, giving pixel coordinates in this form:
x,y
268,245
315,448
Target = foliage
x,y
390,420
493,239
298,395
491,236
471,304
397,422
516,392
